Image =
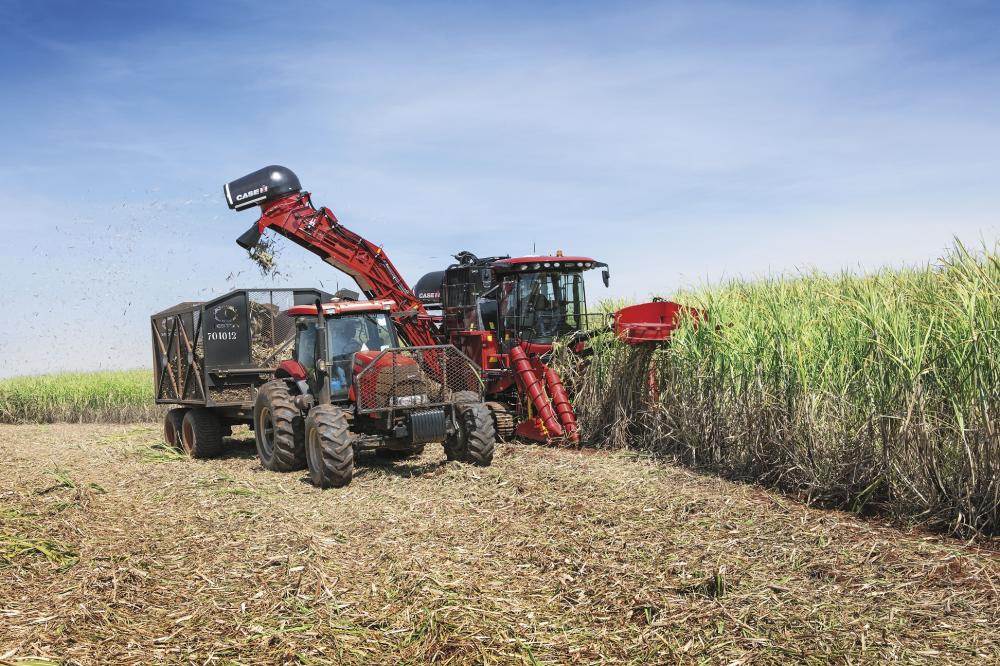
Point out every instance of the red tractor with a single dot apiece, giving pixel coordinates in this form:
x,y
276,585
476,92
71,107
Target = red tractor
x,y
505,313
350,386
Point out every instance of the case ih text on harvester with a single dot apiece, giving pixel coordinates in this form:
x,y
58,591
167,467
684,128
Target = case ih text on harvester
x,y
504,313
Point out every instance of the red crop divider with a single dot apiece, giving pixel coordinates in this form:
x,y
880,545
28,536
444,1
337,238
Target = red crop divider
x,y
534,387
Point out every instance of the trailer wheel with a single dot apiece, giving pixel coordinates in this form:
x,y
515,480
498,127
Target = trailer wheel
x,y
278,429
172,421
201,433
476,437
329,449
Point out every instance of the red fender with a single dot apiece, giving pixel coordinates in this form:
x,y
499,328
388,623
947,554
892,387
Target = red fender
x,y
535,389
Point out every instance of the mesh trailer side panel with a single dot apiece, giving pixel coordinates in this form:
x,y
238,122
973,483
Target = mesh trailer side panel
x,y
272,332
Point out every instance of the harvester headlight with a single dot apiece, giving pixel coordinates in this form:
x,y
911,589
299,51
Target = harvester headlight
x,y
546,264
524,267
555,264
537,266
587,265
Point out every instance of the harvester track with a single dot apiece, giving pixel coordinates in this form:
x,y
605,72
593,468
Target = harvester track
x,y
503,420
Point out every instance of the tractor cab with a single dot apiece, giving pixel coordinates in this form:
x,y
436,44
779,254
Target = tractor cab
x,y
354,333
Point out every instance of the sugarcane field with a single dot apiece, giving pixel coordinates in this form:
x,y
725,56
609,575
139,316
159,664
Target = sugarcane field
x,y
422,333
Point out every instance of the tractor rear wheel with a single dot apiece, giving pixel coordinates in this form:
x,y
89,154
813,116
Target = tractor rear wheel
x,y
476,437
201,433
172,421
329,447
278,429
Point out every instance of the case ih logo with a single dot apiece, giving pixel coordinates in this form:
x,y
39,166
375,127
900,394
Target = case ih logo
x,y
251,193
226,316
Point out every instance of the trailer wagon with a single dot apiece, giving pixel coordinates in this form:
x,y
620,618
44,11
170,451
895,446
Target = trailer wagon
x,y
210,357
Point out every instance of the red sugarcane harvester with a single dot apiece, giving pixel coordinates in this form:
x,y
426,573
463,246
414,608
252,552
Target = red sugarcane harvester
x,y
505,313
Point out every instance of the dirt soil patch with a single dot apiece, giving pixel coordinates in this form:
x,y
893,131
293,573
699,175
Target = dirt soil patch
x,y
114,550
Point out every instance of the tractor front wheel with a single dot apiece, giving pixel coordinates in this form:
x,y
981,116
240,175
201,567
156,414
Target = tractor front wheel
x,y
201,433
278,429
329,447
475,438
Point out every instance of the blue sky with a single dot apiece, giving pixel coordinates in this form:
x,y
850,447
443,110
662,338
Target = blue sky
x,y
679,142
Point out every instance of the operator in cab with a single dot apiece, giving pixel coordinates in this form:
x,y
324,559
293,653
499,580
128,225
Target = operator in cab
x,y
344,339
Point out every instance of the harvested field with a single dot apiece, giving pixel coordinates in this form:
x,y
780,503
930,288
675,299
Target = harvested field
x,y
114,550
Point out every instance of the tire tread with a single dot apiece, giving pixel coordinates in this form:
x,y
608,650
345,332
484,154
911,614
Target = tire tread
x,y
207,433
336,446
289,443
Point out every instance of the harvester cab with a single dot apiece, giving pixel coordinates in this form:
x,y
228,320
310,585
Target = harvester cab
x,y
532,300
351,386
506,313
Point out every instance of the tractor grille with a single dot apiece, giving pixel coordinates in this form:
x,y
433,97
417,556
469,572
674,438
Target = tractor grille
x,y
415,378
427,425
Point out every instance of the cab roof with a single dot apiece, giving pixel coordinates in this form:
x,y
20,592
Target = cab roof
x,y
545,261
342,306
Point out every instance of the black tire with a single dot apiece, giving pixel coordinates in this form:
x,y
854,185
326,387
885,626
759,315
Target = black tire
x,y
476,437
172,421
329,447
201,433
454,446
278,429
